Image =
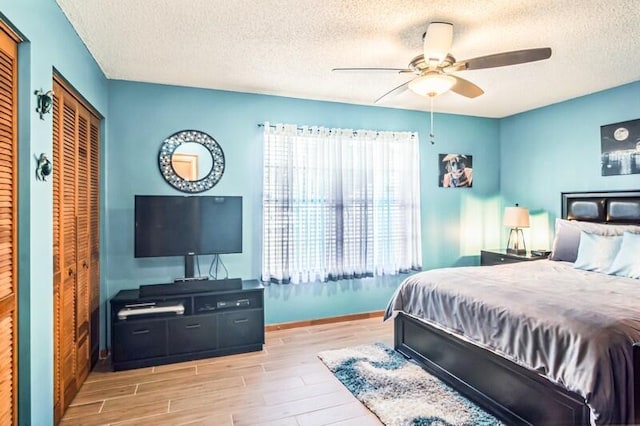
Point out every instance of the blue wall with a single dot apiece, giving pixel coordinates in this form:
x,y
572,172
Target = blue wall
x,y
50,42
557,149
142,115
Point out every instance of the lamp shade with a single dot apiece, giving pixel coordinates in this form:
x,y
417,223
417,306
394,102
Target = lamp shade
x,y
432,84
516,217
437,41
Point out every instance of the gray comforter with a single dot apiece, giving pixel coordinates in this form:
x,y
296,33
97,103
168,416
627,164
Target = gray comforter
x,y
574,327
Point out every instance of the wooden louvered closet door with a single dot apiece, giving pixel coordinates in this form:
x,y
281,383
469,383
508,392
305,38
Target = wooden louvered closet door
x,y
94,237
76,244
8,228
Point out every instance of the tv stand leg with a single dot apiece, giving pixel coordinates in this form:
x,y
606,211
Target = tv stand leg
x,y
189,270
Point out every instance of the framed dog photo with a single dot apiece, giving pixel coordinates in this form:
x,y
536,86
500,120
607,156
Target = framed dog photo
x,y
456,170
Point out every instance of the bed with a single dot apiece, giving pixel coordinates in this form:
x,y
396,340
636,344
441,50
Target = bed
x,y
534,342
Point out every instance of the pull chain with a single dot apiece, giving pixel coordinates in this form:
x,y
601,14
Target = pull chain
x,y
431,134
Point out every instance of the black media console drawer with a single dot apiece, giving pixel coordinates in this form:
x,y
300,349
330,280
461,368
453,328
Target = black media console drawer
x,y
140,339
242,328
192,334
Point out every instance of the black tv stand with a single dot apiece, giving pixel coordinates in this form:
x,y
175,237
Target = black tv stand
x,y
208,323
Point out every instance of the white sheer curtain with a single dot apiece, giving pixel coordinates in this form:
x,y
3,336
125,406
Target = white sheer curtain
x,y
339,203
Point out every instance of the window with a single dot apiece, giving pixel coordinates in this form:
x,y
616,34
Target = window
x,y
339,203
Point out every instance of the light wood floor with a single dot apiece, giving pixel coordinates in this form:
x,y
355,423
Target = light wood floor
x,y
285,384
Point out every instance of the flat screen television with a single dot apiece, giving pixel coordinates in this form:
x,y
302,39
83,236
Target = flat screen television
x,y
188,226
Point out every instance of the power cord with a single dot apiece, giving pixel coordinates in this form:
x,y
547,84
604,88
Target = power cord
x,y
217,261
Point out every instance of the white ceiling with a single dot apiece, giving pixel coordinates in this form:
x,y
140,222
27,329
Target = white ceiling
x,y
288,47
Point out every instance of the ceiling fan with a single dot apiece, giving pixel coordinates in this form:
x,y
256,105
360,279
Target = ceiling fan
x,y
434,68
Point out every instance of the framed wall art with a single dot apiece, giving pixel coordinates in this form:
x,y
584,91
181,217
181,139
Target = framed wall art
x,y
620,148
456,171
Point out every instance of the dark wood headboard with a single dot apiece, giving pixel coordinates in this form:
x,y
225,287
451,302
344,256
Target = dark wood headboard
x,y
604,207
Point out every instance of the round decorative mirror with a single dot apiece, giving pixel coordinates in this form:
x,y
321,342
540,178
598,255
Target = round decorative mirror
x,y
191,161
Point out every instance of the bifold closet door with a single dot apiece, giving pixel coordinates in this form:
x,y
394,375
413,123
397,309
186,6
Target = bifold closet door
x,y
83,345
65,255
94,237
76,243
8,227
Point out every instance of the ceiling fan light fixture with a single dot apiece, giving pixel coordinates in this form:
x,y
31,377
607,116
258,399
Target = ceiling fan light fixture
x,y
432,84
434,66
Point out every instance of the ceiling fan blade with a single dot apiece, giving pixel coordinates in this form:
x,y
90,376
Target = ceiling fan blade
x,y
466,88
504,59
395,91
437,41
398,70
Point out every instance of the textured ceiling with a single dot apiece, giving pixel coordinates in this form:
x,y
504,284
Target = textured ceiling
x,y
288,47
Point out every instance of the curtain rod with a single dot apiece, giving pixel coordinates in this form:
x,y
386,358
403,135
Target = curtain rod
x,y
355,132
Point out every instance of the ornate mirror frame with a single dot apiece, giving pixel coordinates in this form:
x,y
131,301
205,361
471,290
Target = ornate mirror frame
x,y
168,147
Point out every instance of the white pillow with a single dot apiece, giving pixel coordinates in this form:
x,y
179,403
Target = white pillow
x,y
627,262
597,252
567,238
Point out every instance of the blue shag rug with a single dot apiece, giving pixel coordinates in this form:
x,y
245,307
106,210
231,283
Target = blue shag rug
x,y
400,392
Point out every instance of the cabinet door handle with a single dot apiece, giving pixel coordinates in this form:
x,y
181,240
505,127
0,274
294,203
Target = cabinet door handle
x,y
239,321
146,331
192,326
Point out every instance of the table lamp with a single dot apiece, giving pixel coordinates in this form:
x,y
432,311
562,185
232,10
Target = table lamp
x,y
516,218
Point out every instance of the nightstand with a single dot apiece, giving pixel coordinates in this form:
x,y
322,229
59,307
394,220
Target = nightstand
x,y
500,256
